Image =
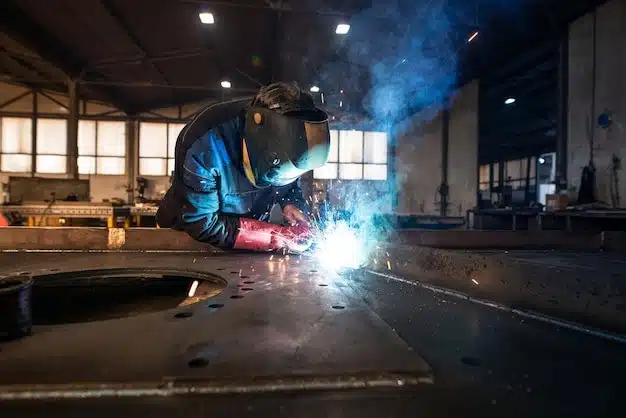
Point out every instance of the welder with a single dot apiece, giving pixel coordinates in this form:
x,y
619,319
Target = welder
x,y
238,159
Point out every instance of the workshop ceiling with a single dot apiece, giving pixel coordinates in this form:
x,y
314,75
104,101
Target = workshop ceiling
x,y
145,54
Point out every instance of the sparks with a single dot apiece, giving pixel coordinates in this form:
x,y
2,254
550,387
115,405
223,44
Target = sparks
x,y
339,247
475,281
388,264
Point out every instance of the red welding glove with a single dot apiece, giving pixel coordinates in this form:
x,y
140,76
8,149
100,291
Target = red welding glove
x,y
262,236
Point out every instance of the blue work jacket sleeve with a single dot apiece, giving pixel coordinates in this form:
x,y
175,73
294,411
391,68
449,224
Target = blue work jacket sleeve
x,y
201,215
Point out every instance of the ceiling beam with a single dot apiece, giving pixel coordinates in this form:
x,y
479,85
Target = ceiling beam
x,y
20,27
126,28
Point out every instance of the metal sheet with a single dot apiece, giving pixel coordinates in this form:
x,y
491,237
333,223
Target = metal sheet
x,y
282,324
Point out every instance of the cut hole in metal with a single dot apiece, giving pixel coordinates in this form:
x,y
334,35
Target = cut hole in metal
x,y
198,362
216,305
313,271
98,295
220,268
236,297
338,307
323,284
249,282
181,315
245,277
247,289
234,272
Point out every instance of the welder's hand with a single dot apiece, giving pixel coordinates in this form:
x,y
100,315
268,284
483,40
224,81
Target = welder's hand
x,y
294,216
262,236
294,239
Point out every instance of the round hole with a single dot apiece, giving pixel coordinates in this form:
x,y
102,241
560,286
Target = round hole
x,y
313,271
54,269
323,285
216,305
24,273
247,289
220,268
249,282
234,272
236,297
198,362
245,277
181,315
338,307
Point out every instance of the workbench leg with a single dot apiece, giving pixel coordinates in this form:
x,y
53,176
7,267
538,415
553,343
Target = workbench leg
x,y
110,222
31,221
138,221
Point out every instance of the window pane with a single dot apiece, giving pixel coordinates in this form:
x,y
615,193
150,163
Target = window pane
x,y
375,172
87,137
350,171
111,140
152,140
111,165
170,166
484,173
152,166
350,147
334,144
173,130
51,139
16,136
375,147
86,165
15,163
51,164
329,171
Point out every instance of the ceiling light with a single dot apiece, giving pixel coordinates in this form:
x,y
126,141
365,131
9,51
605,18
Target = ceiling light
x,y
542,160
226,84
342,29
315,89
473,36
207,18
509,101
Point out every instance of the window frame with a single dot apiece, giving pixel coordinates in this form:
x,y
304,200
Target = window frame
x,y
96,156
167,157
362,163
30,154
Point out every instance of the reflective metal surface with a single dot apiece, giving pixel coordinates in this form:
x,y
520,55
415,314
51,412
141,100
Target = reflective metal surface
x,y
285,348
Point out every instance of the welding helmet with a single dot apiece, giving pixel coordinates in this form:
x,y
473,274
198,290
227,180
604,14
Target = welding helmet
x,y
284,140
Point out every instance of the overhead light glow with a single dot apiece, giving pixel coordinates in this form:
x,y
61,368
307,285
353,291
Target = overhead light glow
x,y
226,84
207,18
542,160
315,89
509,101
342,29
473,36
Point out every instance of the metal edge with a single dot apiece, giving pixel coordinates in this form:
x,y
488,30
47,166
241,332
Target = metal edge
x,y
615,337
175,386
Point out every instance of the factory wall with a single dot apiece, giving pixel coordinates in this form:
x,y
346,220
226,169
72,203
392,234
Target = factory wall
x,y
420,156
597,85
21,102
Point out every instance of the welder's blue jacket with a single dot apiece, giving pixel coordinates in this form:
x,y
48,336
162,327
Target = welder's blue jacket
x,y
210,191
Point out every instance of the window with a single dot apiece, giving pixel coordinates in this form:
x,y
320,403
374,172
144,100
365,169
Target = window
x,y
101,147
51,146
484,177
157,142
516,172
16,143
355,155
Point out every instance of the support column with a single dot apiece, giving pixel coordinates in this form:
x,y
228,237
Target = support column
x,y
132,160
72,130
563,98
33,155
444,188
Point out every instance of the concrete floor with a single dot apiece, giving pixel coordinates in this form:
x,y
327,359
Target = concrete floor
x,y
483,362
